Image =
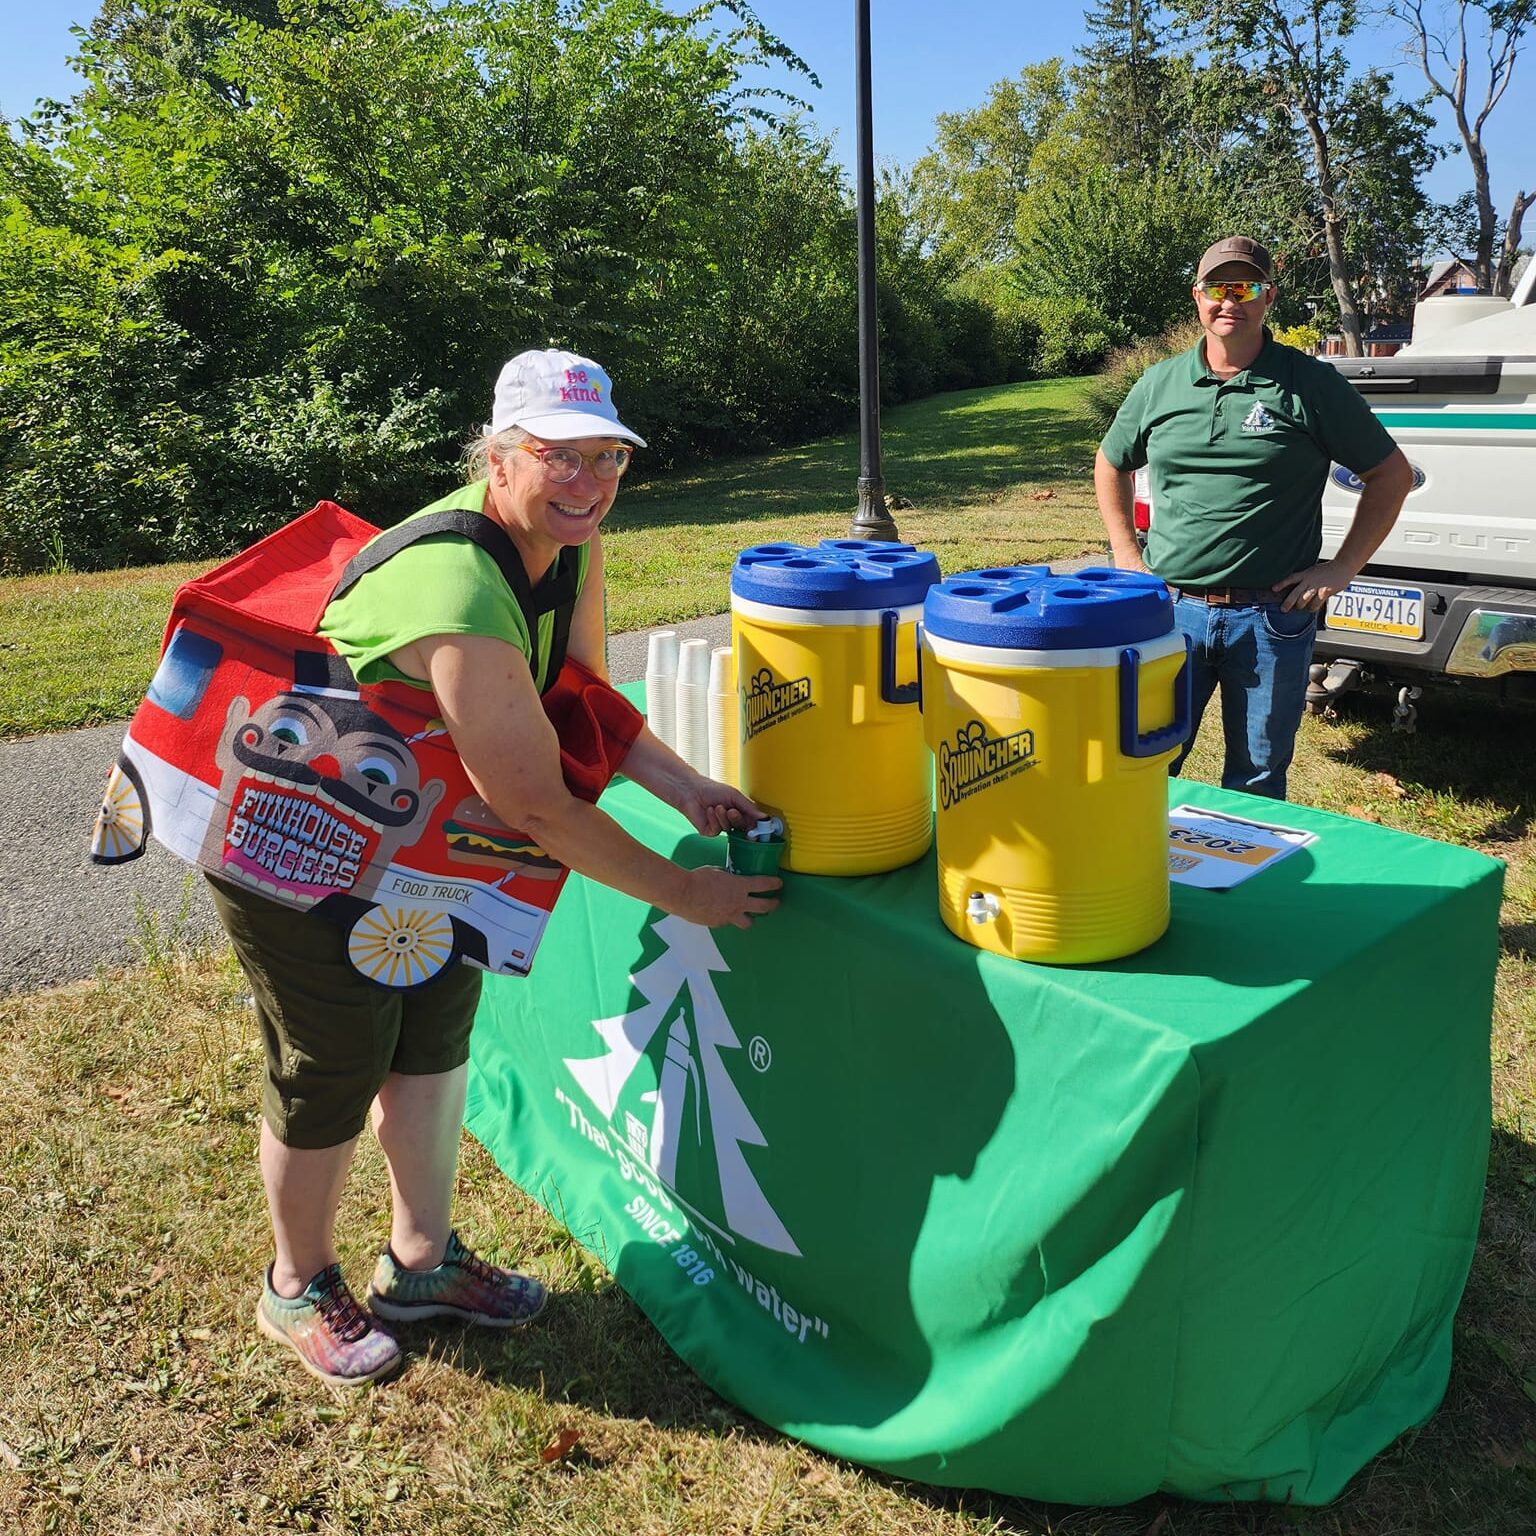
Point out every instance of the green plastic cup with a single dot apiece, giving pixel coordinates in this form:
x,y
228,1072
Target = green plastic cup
x,y
747,856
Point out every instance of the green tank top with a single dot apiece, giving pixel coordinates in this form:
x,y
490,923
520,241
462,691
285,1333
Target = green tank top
x,y
443,585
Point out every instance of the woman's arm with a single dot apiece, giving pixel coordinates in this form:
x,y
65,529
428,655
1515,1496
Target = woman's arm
x,y
711,806
708,804
509,749
588,641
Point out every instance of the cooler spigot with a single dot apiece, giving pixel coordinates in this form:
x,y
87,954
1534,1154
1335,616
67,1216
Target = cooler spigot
x,y
982,908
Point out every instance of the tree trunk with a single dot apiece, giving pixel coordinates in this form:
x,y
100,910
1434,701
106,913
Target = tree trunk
x,y
1485,215
1333,234
1502,279
1343,288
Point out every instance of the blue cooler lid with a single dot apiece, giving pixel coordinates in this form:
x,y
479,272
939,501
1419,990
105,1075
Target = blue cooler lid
x,y
1029,608
837,573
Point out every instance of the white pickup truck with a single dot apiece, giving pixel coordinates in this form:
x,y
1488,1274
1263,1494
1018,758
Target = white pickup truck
x,y
1451,593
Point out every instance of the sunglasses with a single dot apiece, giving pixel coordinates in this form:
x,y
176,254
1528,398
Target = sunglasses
x,y
1243,293
564,464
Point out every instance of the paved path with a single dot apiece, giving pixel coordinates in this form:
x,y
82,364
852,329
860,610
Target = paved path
x,y
63,916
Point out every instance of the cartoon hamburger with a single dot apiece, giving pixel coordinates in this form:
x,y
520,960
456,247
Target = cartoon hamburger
x,y
476,836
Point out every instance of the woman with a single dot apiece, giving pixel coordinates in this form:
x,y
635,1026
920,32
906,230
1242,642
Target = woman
x,y
439,615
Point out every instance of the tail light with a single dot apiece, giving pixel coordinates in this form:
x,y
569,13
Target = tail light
x,y
1141,502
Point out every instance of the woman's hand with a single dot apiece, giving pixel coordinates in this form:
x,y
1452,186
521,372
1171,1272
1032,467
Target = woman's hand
x,y
714,807
711,806
512,756
716,898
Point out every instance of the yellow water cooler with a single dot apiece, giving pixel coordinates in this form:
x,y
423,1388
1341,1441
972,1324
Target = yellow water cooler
x,y
1053,706
831,738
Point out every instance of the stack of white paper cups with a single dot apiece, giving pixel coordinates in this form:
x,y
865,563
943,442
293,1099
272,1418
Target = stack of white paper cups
x,y
723,728
661,685
692,744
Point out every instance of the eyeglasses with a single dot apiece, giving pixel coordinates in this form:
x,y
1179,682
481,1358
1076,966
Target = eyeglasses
x,y
1243,293
563,464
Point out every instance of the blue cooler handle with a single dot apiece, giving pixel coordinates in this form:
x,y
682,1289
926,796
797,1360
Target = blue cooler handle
x,y
890,691
1132,742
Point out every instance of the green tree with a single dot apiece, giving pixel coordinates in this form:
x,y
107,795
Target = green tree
x,y
765,339
187,37
1122,84
1383,148
1118,244
251,263
1287,58
969,189
277,249
934,334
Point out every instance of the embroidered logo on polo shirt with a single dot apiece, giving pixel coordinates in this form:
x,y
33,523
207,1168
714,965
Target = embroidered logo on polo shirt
x,y
1258,419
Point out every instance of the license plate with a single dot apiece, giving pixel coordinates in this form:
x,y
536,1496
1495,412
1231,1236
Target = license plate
x,y
1378,608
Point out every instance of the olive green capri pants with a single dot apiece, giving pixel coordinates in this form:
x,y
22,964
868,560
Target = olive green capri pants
x,y
330,1037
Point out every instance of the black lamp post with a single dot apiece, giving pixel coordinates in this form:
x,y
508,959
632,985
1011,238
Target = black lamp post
x,y
871,520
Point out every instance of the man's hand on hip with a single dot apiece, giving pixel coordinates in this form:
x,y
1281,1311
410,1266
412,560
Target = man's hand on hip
x,y
1115,490
1310,589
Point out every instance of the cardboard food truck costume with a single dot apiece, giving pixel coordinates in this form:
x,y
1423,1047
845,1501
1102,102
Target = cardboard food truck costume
x,y
258,757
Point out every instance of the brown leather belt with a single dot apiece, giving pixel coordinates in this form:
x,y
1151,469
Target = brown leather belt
x,y
1228,597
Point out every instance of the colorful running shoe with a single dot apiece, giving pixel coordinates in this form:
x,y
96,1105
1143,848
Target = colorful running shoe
x,y
334,1337
462,1286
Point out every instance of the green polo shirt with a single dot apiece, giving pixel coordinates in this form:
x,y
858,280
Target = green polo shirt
x,y
1238,465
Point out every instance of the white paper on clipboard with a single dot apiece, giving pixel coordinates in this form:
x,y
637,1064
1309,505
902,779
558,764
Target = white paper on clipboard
x,y
1216,852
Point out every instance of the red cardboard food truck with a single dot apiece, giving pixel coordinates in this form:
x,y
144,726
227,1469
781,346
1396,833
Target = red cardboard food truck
x,y
258,757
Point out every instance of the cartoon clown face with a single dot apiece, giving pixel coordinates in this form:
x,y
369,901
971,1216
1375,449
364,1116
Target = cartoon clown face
x,y
318,793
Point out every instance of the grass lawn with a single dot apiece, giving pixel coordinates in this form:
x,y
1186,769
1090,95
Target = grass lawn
x,y
995,475
998,476
136,1397
79,649
137,1400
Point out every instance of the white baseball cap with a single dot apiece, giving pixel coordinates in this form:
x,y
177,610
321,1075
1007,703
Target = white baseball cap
x,y
557,395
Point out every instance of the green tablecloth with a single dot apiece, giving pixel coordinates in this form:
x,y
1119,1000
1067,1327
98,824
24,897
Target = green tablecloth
x,y
1195,1221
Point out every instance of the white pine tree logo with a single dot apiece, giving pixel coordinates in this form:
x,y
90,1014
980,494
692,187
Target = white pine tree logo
x,y
692,1064
1258,419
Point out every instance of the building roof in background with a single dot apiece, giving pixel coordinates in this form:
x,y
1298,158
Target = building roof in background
x,y
1452,275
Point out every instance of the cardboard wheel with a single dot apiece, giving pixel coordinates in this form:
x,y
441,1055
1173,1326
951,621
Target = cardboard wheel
x,y
122,823
400,946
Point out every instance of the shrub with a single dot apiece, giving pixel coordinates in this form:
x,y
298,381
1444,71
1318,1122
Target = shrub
x,y
1106,394
1073,336
1305,338
326,232
1014,326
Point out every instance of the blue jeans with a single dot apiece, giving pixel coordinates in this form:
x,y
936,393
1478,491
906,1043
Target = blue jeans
x,y
1258,656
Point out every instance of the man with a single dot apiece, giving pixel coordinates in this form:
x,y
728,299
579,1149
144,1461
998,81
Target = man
x,y
1239,433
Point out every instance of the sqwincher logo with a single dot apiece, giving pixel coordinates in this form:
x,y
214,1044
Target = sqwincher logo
x,y
769,701
975,761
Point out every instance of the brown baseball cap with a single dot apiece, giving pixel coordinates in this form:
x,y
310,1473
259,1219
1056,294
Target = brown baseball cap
x,y
1235,248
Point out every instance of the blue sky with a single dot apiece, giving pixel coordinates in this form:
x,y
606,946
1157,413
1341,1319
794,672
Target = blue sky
x,y
924,63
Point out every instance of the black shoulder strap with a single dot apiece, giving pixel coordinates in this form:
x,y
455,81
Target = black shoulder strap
x,y
556,592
